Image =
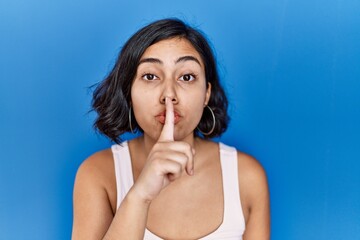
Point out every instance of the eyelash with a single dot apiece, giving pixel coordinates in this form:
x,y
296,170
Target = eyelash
x,y
146,75
193,76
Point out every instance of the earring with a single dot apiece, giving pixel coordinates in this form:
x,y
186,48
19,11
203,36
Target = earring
x,y
213,127
131,129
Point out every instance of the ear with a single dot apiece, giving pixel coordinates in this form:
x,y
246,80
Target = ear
x,y
208,94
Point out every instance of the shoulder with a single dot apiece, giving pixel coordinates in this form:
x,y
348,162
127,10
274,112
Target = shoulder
x,y
94,197
250,168
96,176
100,164
247,164
252,183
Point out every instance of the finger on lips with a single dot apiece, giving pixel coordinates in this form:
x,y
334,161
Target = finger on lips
x,y
167,133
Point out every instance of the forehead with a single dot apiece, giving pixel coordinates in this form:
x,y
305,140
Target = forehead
x,y
171,49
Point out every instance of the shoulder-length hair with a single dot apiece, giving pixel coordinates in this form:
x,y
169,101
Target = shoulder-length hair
x,y
112,96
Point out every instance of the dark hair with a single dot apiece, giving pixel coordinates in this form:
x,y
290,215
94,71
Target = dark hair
x,y
111,98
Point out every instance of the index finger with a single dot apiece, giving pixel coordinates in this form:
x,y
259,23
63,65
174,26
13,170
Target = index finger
x,y
167,133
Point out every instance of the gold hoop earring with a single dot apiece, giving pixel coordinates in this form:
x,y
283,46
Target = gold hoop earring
x,y
214,123
131,129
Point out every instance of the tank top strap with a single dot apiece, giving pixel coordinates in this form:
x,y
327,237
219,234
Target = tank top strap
x,y
233,214
233,224
123,170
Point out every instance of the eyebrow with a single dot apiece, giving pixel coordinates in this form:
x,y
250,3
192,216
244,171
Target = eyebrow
x,y
180,59
188,58
150,60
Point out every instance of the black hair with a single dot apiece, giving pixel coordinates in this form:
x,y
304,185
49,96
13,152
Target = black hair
x,y
112,97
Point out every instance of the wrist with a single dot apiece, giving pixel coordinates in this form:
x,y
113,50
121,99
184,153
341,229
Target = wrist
x,y
136,197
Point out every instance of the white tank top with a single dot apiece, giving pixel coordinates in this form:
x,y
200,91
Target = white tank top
x,y
233,225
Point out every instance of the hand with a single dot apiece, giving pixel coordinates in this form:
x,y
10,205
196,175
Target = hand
x,y
166,161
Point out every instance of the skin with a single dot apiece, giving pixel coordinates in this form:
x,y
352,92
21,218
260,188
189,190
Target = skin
x,y
177,192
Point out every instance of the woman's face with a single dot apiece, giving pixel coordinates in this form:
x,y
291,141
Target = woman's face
x,y
170,68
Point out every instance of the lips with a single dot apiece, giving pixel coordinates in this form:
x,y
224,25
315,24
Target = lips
x,y
161,117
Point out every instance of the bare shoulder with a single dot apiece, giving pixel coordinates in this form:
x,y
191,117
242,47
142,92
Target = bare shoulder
x,y
250,169
94,196
253,184
98,167
97,175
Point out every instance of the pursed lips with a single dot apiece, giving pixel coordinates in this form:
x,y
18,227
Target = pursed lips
x,y
161,117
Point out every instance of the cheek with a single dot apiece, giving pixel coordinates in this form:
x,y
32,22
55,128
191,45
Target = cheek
x,y
142,102
195,105
141,114
199,111
139,95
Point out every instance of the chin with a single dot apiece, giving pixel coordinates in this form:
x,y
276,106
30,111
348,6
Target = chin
x,y
183,136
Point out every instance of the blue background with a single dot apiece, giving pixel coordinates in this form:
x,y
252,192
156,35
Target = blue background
x,y
290,68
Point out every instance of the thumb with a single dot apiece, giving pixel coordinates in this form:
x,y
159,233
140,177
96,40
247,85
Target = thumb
x,y
167,133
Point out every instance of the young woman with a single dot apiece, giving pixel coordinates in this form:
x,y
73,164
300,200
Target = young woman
x,y
171,182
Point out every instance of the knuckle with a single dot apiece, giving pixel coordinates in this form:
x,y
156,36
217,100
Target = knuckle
x,y
157,146
186,145
156,154
189,148
185,159
156,163
179,168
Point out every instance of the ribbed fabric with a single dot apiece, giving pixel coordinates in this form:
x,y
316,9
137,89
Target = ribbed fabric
x,y
233,225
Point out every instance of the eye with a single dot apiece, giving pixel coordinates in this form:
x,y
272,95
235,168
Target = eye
x,y
187,77
149,77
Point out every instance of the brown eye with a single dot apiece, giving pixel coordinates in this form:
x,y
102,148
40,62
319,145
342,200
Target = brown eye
x,y
187,78
149,77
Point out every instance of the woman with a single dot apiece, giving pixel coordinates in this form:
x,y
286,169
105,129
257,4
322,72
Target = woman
x,y
169,183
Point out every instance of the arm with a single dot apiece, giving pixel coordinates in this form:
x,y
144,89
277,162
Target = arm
x,y
255,198
93,213
130,219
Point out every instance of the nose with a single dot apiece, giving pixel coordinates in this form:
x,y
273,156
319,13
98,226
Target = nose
x,y
170,92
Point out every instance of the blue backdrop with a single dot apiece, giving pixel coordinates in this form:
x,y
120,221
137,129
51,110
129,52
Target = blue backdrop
x,y
290,68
